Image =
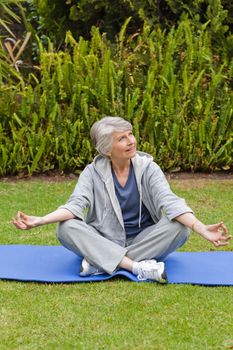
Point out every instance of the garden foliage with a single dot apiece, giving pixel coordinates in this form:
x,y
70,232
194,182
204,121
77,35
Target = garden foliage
x,y
173,89
80,15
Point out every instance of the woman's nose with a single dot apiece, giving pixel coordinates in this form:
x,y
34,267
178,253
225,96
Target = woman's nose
x,y
130,139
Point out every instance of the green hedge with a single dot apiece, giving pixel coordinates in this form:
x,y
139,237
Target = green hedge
x,y
79,16
174,90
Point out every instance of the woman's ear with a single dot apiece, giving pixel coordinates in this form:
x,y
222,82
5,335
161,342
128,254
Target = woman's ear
x,y
108,153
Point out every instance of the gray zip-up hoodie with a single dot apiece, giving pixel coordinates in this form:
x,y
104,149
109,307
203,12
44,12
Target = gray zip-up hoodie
x,y
94,199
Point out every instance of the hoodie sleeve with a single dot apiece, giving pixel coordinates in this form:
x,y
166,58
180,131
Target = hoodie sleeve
x,y
164,200
82,196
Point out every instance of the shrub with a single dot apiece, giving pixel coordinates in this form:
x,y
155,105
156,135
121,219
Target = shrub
x,y
173,88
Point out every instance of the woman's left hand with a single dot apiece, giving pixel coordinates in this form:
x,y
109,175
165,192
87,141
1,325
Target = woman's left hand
x,y
216,234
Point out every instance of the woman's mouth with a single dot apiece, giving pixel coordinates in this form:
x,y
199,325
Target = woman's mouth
x,y
131,149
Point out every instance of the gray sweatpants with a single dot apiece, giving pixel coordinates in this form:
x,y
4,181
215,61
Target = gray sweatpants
x,y
156,241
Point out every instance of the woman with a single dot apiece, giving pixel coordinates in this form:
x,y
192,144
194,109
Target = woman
x,y
122,213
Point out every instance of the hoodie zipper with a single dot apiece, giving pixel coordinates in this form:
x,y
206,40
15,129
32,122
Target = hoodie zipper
x,y
140,205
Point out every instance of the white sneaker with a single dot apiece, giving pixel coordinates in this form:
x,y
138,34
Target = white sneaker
x,y
88,269
151,270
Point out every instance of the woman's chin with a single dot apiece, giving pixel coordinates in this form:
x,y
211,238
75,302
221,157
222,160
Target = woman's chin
x,y
132,153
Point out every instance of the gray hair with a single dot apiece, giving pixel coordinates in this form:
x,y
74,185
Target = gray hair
x,y
102,130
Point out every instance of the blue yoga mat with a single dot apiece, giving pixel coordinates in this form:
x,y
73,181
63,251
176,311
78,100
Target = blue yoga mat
x,y
57,264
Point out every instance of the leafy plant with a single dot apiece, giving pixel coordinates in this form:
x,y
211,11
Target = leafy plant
x,y
172,87
8,15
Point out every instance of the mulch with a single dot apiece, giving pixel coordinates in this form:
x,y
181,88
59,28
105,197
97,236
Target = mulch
x,y
58,177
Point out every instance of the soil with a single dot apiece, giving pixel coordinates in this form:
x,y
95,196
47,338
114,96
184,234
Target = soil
x,y
222,175
58,177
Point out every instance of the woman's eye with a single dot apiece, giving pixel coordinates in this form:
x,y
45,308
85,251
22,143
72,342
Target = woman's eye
x,y
125,136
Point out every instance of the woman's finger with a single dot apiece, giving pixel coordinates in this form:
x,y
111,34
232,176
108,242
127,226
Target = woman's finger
x,y
18,216
227,238
222,244
18,224
24,217
224,228
222,241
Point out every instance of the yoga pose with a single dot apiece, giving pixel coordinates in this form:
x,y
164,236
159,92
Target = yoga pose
x,y
122,213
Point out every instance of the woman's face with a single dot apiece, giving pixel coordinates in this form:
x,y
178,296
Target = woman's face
x,y
123,146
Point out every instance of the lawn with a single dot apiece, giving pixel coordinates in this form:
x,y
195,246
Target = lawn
x,y
116,314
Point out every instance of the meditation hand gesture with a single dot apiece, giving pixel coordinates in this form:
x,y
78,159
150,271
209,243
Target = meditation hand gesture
x,y
26,222
216,234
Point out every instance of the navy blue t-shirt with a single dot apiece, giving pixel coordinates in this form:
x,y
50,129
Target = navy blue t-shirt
x,y
129,199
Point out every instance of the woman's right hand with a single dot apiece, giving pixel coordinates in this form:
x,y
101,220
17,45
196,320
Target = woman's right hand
x,y
26,222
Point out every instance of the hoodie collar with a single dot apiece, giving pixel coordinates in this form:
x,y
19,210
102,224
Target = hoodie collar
x,y
103,166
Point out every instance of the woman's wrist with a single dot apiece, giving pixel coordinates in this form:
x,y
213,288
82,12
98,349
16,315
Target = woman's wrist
x,y
198,226
193,224
42,221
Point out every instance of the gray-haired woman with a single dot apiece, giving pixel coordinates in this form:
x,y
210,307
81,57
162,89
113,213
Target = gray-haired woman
x,y
122,213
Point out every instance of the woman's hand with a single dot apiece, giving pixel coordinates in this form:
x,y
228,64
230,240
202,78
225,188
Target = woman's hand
x,y
216,233
26,222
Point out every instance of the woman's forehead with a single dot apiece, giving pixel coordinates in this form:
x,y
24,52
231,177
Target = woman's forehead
x,y
117,134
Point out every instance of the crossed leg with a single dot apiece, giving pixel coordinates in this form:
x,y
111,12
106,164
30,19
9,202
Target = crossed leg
x,y
156,241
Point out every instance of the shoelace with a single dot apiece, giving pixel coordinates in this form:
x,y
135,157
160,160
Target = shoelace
x,y
140,278
149,275
151,272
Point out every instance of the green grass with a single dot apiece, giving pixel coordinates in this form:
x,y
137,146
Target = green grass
x,y
117,314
